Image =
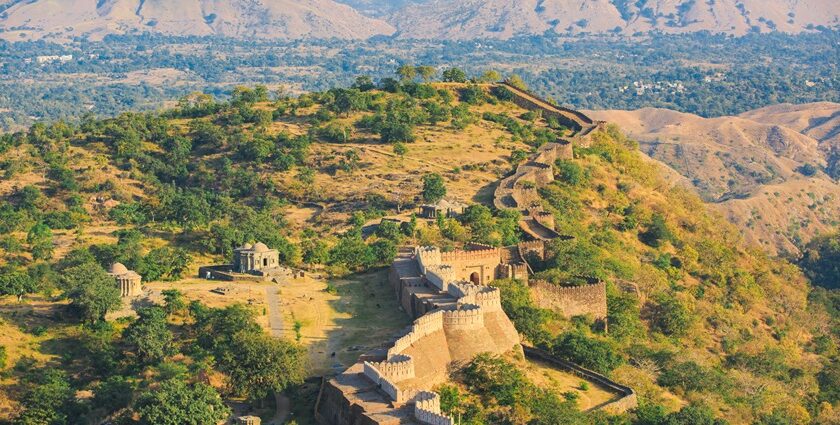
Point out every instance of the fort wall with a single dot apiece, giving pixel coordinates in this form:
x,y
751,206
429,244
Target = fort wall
x,y
571,301
427,409
465,317
565,116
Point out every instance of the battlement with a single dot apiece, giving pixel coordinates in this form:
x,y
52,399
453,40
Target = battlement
x,y
397,368
464,317
427,256
472,255
440,275
427,409
572,300
421,327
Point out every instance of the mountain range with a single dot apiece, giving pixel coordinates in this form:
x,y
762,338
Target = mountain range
x,y
766,170
420,19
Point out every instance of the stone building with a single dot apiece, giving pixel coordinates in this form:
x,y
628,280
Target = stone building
x,y
255,258
127,280
444,207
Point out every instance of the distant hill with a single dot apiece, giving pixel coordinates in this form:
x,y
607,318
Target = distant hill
x,y
755,167
424,19
466,19
285,19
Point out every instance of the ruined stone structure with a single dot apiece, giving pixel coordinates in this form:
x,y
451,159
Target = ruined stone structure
x,y
444,208
248,420
128,281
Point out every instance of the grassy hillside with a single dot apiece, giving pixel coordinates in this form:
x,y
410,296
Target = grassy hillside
x,y
726,331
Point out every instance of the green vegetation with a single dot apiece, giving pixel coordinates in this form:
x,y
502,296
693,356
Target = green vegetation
x,y
710,326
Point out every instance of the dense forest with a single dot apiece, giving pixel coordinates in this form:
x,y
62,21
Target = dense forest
x,y
710,75
718,333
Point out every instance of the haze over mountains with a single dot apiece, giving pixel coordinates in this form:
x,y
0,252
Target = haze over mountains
x,y
754,167
422,19
283,19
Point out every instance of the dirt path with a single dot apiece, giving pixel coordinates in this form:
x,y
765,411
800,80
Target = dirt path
x,y
283,408
275,319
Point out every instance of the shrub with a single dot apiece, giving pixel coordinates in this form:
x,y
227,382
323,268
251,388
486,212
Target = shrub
x,y
598,355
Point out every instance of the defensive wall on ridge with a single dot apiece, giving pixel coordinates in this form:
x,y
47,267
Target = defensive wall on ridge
x,y
571,300
457,315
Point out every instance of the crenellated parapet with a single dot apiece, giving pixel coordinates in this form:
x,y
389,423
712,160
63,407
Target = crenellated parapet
x,y
397,368
571,301
427,256
489,299
423,326
427,409
471,255
440,276
464,317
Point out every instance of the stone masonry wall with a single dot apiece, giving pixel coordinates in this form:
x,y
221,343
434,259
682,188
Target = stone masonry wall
x,y
427,409
571,301
465,317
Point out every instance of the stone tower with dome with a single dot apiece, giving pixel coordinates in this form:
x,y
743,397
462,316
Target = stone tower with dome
x,y
128,281
255,258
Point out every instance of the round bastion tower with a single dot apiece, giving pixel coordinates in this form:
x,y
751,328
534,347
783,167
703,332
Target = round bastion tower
x,y
128,281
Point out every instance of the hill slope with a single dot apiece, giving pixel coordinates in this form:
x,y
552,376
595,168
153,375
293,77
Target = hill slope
x,y
506,18
750,166
424,19
283,19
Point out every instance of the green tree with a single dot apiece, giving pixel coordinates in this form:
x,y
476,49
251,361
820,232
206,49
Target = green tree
x,y
821,260
454,75
261,364
427,73
657,231
113,393
671,316
178,402
48,399
92,291
516,81
407,72
434,188
400,149
40,240
174,301
17,283
596,354
150,336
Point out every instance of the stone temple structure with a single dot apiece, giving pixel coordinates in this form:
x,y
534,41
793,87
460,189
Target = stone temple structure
x,y
127,280
255,263
255,258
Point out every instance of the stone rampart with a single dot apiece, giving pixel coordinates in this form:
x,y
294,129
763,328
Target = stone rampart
x,y
425,325
397,368
427,409
427,256
565,116
465,317
490,300
460,256
571,301
440,275
397,395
